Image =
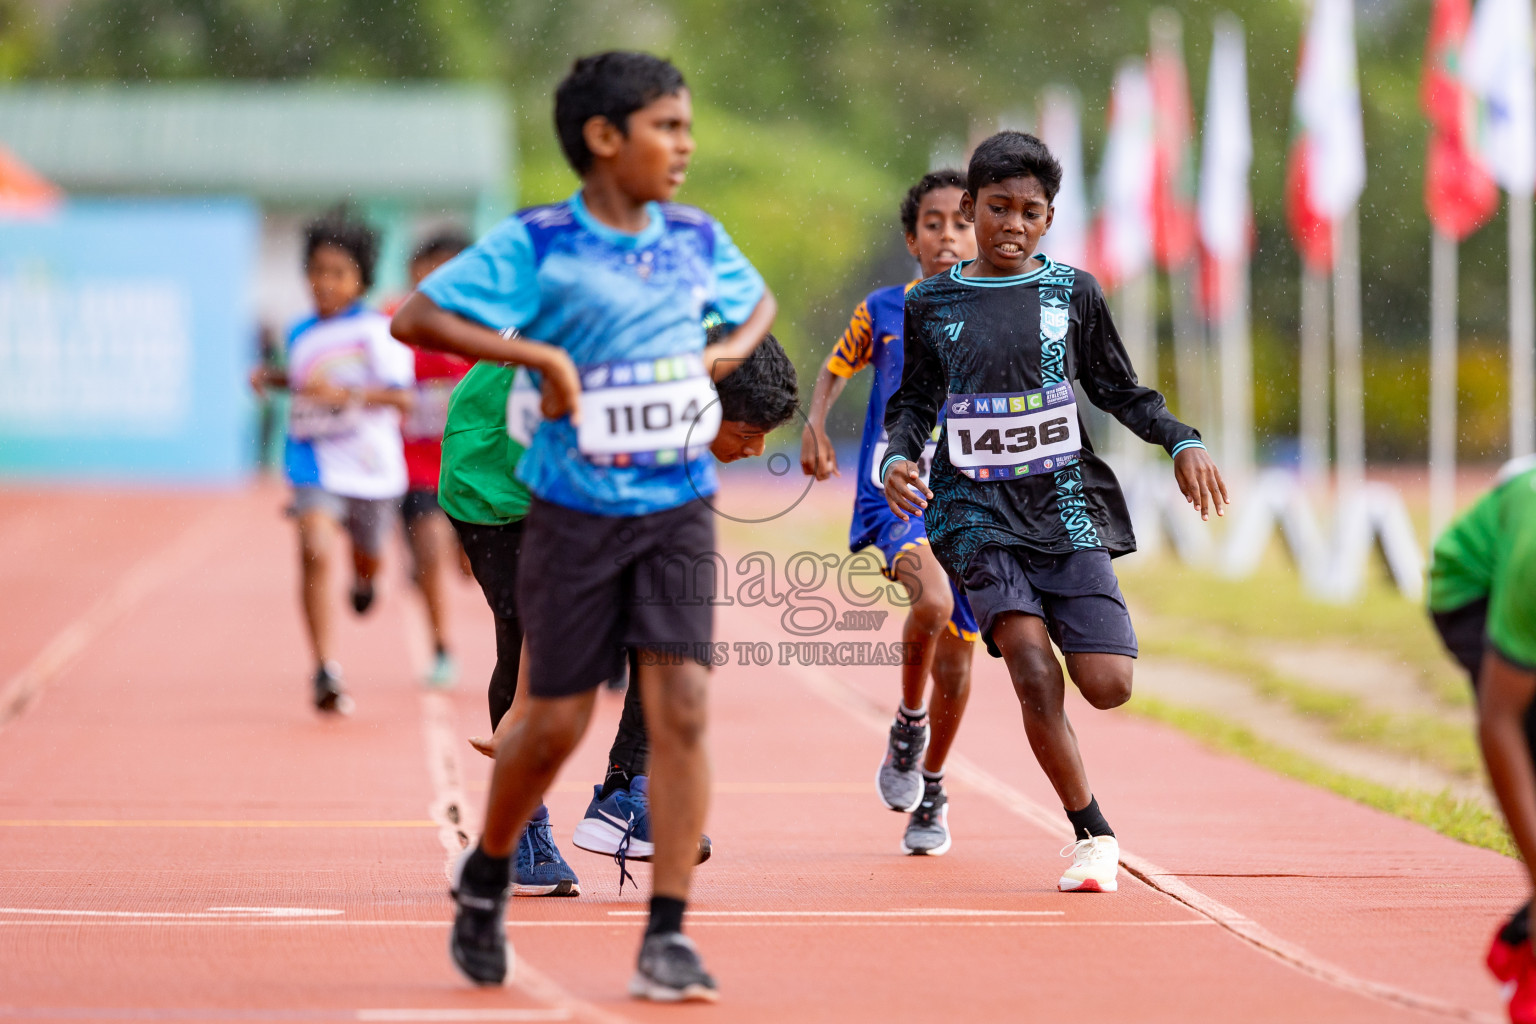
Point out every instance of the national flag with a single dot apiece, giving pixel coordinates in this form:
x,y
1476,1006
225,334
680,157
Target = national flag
x,y
1122,244
1226,214
1498,67
1327,164
1060,129
1459,193
1173,203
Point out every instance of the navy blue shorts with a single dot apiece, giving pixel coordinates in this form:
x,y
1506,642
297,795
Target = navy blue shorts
x,y
1076,594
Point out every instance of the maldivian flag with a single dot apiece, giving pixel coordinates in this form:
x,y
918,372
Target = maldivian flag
x,y
1497,66
23,190
1459,193
1173,202
1327,165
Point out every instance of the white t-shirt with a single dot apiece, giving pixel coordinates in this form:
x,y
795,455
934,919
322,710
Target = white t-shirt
x,y
355,452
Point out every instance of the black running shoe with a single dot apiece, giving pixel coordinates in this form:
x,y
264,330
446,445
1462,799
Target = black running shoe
x,y
670,971
362,595
329,695
478,941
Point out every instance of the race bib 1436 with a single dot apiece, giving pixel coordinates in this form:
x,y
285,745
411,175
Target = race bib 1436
x,y
1005,436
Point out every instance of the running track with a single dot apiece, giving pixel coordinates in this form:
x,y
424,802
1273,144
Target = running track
x,y
159,766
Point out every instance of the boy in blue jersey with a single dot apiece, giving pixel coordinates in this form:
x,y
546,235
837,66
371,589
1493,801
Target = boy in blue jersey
x,y
1021,510
350,383
939,628
614,282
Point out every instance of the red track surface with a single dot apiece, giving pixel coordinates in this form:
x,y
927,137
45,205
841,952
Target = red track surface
x,y
158,759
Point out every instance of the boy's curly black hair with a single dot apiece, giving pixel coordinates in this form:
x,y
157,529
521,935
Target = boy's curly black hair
x,y
764,390
347,233
932,181
1013,155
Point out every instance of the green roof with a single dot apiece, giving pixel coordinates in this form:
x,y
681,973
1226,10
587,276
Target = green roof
x,y
284,143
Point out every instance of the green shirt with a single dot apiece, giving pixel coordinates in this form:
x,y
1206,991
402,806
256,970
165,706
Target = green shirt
x,y
1490,552
479,483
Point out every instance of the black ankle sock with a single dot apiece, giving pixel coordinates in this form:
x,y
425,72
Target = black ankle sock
x,y
617,779
1089,821
666,915
484,873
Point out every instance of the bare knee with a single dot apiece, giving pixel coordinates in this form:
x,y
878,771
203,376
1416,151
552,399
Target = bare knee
x,y
549,740
1036,678
678,716
930,612
1104,683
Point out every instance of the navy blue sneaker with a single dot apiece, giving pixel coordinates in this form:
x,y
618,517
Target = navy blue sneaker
x,y
623,820
537,867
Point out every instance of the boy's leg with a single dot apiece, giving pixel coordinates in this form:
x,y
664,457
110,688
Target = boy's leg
x,y
432,548
675,700
319,539
493,553
630,753
900,780
1041,689
367,522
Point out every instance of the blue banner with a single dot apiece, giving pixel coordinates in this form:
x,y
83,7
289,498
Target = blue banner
x,y
127,328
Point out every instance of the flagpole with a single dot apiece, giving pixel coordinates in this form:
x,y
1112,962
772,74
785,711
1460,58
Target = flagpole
x,y
1236,372
1349,386
1522,330
1315,364
1189,348
1442,382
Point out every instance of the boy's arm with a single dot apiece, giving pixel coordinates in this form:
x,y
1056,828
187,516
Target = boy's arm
x,y
422,323
1505,692
726,355
1110,383
817,456
910,416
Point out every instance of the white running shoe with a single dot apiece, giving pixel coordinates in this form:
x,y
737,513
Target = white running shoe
x,y
1095,863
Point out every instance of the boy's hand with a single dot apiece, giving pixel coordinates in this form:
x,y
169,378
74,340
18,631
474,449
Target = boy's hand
x,y
1200,481
817,457
905,491
326,393
560,386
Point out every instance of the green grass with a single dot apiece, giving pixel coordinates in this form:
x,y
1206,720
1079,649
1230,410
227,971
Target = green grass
x,y
1272,605
1449,746
1462,820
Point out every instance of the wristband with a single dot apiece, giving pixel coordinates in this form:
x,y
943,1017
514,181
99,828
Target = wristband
x,y
889,461
1191,443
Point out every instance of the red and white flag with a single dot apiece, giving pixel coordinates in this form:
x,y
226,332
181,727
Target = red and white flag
x,y
1459,193
1327,163
24,192
1060,129
1226,159
1173,203
1122,237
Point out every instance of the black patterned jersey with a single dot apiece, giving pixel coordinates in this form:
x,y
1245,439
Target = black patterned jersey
x,y
973,336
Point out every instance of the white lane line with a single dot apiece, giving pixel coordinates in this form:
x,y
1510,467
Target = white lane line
x,y
537,1014
918,912
850,700
243,914
23,689
449,805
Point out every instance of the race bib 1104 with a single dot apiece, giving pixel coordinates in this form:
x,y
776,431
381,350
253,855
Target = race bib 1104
x,y
652,412
311,420
1006,436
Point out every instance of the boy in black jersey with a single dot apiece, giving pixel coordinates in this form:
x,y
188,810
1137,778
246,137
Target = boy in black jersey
x,y
1022,512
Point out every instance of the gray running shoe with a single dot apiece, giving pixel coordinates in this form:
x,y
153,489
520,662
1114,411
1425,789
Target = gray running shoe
x,y
900,779
670,971
928,831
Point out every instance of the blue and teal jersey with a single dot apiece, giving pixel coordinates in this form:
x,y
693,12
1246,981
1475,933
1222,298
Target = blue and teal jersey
x,y
559,276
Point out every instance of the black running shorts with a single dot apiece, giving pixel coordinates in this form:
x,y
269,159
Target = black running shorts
x,y
590,588
1076,594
